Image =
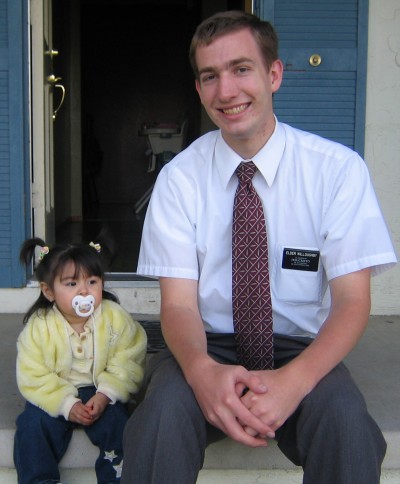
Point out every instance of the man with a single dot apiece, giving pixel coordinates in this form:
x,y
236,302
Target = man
x,y
326,236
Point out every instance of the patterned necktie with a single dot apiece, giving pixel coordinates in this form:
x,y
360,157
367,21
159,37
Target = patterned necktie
x,y
251,298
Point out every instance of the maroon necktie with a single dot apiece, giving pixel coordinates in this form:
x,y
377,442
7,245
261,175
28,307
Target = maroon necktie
x,y
251,298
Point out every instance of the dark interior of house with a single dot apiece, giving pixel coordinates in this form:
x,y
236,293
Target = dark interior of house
x,y
135,75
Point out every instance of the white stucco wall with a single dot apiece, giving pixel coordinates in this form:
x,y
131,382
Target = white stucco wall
x,y
382,147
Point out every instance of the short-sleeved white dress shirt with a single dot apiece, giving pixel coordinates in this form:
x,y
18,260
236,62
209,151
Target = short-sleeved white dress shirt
x,y
322,217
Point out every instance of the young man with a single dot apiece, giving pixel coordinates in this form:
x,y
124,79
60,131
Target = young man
x,y
320,207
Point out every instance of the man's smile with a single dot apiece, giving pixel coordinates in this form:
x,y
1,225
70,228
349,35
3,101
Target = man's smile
x,y
235,109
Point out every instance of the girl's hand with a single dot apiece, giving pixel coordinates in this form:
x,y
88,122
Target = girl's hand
x,y
96,405
80,414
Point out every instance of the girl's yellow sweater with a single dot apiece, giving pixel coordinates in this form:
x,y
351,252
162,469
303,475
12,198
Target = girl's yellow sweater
x,y
45,357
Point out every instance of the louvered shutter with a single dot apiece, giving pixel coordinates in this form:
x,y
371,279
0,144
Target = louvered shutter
x,y
328,99
12,216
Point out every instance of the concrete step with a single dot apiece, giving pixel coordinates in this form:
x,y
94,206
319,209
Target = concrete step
x,y
207,476
374,364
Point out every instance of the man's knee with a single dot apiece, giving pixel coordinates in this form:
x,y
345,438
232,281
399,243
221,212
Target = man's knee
x,y
336,411
168,401
336,400
333,420
169,421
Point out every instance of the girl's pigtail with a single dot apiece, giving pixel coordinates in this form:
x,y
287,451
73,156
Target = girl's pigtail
x,y
105,247
28,248
27,256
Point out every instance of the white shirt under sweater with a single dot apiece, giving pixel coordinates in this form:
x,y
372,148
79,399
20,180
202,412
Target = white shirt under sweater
x,y
322,217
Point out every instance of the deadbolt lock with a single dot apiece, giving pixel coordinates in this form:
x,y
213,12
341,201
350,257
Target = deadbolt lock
x,y
315,60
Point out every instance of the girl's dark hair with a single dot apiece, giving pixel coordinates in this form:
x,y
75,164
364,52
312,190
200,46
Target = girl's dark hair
x,y
222,23
85,257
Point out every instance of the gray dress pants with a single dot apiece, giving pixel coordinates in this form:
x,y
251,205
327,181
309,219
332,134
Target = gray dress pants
x,y
331,435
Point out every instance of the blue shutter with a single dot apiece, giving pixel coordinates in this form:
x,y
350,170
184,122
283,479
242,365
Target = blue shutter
x,y
12,141
328,99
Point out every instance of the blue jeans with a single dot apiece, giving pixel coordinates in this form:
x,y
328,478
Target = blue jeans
x,y
41,441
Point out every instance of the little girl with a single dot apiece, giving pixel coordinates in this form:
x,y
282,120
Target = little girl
x,y
80,357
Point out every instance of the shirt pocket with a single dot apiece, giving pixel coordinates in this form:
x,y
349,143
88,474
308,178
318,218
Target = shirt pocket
x,y
297,285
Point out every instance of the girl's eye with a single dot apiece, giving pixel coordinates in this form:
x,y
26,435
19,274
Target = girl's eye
x,y
71,283
93,281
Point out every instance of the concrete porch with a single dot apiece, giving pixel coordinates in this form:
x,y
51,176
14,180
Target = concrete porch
x,y
375,365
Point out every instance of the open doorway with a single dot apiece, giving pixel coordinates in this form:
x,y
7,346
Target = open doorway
x,y
128,60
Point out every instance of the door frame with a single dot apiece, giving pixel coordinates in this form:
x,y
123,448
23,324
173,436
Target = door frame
x,y
42,164
55,134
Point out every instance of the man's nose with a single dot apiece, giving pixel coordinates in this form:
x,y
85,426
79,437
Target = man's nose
x,y
227,87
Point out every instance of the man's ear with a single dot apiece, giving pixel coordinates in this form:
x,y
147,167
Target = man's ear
x,y
47,292
276,73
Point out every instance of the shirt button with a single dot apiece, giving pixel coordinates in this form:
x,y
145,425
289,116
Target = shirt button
x,y
83,337
79,350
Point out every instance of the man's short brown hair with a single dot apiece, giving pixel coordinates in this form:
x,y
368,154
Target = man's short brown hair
x,y
223,23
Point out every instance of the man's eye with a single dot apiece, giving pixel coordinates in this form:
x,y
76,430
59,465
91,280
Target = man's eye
x,y
242,70
208,78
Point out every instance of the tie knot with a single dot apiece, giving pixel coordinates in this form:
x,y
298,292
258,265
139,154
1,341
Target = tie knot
x,y
245,171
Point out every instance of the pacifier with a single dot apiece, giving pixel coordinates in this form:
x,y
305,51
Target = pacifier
x,y
83,305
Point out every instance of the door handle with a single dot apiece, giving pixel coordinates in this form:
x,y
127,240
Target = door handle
x,y
53,81
59,86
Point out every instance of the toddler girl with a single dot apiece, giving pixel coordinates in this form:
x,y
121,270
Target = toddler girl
x,y
80,357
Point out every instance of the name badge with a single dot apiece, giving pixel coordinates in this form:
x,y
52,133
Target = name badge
x,y
300,259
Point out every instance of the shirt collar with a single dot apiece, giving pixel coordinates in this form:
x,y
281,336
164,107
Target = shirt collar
x,y
267,159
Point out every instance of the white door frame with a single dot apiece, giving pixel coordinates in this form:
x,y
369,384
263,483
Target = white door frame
x,y
41,129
